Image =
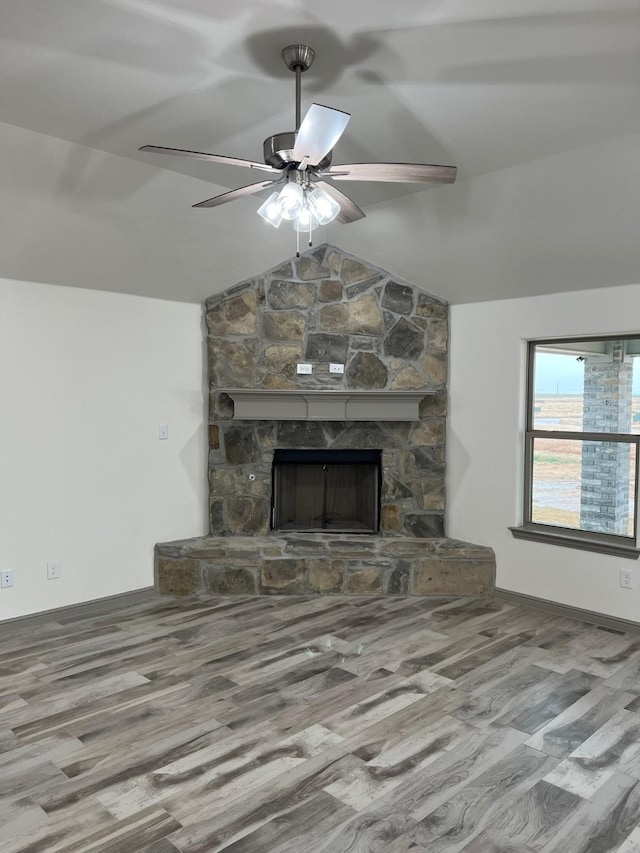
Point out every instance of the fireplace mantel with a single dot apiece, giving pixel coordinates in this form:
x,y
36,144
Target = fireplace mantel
x,y
256,404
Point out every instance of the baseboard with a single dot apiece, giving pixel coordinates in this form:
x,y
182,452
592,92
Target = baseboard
x,y
83,609
100,606
590,616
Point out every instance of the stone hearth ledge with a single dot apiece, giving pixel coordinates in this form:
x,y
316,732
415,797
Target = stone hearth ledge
x,y
303,404
299,564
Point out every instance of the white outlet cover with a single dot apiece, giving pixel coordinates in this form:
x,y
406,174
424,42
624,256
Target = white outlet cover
x,y
304,368
336,368
163,432
6,578
53,571
626,579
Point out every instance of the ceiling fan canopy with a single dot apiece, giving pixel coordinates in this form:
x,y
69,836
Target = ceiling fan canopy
x,y
301,160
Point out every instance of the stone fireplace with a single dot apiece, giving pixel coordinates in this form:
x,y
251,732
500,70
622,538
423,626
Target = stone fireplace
x,y
326,308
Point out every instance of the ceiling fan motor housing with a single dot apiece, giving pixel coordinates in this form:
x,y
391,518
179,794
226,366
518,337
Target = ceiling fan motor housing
x,y
278,151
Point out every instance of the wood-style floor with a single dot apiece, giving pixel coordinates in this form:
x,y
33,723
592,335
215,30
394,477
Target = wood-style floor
x,y
324,725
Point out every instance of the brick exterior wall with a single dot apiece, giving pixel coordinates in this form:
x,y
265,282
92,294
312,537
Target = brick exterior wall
x,y
604,505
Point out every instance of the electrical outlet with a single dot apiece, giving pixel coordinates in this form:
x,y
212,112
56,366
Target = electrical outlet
x,y
304,368
626,578
53,571
6,578
163,432
336,368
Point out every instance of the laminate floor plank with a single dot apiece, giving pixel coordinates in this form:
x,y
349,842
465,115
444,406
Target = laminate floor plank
x,y
382,770
56,833
530,822
305,827
627,677
520,620
519,689
450,826
472,613
496,670
384,703
631,844
428,789
366,832
232,767
295,713
579,721
606,824
613,748
325,724
601,656
210,823
556,694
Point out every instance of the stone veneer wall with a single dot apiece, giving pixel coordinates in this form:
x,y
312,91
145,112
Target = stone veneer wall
x,y
326,307
604,480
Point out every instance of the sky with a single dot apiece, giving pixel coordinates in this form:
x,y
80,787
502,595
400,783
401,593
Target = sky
x,y
564,374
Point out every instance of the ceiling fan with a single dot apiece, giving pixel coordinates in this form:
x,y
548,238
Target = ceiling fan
x,y
301,160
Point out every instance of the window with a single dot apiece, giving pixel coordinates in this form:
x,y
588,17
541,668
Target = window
x,y
581,444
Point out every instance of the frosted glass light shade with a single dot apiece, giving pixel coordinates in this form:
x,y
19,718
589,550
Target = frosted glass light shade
x,y
306,220
324,208
270,210
291,200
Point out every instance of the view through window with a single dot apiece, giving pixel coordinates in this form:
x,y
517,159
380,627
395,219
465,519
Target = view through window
x,y
582,435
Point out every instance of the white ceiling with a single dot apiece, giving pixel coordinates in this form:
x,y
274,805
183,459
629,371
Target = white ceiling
x,y
536,101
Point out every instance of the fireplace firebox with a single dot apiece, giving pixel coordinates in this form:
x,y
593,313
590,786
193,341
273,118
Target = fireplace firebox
x,y
326,491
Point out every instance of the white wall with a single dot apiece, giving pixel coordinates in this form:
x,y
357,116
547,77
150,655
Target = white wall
x,y
85,379
485,441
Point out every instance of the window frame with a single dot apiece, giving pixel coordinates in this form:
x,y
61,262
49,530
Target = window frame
x,y
606,543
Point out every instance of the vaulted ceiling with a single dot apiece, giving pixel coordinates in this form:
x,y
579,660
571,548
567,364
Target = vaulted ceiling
x,y
537,102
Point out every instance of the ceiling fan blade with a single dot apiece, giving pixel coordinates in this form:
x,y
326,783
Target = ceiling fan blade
x,y
232,195
349,210
393,172
321,128
212,158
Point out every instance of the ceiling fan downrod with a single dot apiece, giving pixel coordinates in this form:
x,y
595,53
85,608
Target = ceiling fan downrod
x,y
298,58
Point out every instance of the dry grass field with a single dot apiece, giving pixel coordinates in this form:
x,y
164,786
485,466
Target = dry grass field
x,y
557,463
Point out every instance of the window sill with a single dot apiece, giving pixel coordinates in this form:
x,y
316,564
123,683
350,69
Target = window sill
x,y
575,539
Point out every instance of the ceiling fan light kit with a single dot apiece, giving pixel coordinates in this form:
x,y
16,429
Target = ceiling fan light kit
x,y
302,160
270,210
305,206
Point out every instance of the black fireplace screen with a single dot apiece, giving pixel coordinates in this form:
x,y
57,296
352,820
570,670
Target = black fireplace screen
x,y
326,491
